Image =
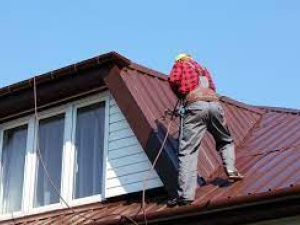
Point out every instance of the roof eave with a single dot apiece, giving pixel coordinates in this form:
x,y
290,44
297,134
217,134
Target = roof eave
x,y
108,58
283,197
253,208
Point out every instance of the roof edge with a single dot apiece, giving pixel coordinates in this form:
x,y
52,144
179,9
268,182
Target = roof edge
x,y
242,105
291,192
110,57
148,71
280,110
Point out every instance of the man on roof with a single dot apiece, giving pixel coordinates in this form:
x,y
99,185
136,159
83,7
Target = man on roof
x,y
200,111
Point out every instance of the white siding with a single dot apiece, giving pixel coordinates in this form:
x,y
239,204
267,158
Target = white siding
x,y
127,163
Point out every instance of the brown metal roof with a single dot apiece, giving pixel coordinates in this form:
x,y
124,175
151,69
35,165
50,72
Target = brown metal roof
x,y
267,146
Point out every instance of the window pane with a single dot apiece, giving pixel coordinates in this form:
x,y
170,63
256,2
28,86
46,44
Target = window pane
x,y
89,150
51,136
13,160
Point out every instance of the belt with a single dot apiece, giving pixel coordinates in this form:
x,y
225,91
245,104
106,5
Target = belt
x,y
202,98
197,95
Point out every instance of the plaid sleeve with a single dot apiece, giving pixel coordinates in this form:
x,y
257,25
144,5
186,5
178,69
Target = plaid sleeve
x,y
175,77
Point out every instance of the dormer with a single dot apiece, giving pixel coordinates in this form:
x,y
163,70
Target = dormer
x,y
79,147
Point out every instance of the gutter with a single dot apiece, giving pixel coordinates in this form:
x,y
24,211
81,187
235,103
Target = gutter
x,y
238,214
111,57
250,208
225,204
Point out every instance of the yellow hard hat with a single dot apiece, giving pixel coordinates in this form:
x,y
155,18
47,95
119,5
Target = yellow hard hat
x,y
183,56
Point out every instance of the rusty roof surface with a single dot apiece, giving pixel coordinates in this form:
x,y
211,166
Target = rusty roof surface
x,y
267,149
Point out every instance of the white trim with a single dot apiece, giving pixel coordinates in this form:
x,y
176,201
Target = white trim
x,y
73,155
45,208
35,125
85,200
133,187
103,97
105,147
8,126
12,216
69,154
52,112
67,145
45,115
29,166
15,123
1,170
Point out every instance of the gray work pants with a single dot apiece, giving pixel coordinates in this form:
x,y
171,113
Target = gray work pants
x,y
199,117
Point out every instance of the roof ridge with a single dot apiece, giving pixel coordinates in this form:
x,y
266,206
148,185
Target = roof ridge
x,y
243,105
264,153
280,110
250,132
148,71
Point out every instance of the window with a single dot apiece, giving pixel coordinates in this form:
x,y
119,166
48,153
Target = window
x,y
89,150
50,144
12,168
65,147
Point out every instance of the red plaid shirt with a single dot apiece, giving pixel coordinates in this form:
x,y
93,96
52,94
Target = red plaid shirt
x,y
184,77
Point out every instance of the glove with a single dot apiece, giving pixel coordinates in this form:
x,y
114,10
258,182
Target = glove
x,y
181,111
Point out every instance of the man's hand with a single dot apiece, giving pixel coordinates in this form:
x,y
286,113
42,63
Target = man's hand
x,y
180,111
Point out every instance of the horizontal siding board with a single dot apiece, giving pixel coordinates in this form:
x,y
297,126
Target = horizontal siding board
x,y
120,134
112,102
132,178
119,144
119,126
127,160
129,169
133,187
125,151
127,163
114,109
116,117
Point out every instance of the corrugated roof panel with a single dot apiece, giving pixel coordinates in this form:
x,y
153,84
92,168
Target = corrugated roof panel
x,y
139,95
234,123
150,96
159,96
287,174
281,132
257,180
240,121
267,145
209,159
274,141
265,171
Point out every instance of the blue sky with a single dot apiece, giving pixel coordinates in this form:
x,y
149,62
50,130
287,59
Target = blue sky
x,y
251,47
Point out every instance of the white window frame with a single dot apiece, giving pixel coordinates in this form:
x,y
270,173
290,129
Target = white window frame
x,y
77,105
44,115
7,126
68,158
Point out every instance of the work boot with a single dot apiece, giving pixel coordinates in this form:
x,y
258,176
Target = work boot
x,y
234,176
178,201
